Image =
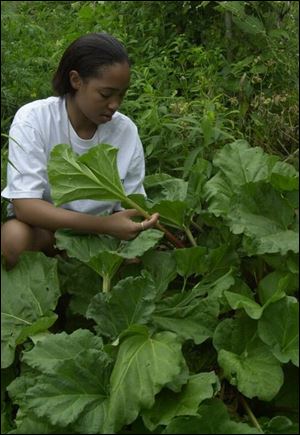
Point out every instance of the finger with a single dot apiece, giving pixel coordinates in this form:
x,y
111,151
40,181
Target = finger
x,y
131,212
149,223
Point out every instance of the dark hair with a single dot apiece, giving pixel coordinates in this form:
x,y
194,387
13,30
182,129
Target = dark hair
x,y
87,55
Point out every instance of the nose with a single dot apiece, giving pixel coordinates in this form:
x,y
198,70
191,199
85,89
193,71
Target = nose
x,y
114,103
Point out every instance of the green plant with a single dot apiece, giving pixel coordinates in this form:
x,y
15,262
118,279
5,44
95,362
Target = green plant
x,y
183,337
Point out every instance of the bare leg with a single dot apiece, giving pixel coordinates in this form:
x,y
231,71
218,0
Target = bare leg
x,y
17,237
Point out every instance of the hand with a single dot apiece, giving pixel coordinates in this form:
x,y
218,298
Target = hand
x,y
121,226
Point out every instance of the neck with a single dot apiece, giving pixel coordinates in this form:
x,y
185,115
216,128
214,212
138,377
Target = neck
x,y
83,126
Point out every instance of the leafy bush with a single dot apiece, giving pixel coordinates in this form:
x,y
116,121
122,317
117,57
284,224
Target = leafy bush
x,y
139,337
179,337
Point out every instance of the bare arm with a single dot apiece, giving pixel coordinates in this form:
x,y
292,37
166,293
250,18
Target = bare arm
x,y
40,213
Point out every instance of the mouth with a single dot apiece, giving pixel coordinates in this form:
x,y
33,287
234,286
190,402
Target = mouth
x,y
107,116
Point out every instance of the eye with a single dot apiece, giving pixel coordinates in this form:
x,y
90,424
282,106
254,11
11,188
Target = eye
x,y
104,95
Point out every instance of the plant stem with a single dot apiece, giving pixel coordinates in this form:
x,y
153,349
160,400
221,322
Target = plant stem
x,y
176,242
106,283
190,236
250,413
184,284
197,226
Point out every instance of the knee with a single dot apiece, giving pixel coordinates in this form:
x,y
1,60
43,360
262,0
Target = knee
x,y
16,237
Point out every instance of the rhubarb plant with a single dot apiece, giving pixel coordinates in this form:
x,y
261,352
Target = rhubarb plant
x,y
201,338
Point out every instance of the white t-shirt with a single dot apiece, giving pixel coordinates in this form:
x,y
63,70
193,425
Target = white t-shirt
x,y
42,124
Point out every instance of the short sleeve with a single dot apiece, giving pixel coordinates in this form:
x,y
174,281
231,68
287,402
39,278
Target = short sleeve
x,y
133,182
27,167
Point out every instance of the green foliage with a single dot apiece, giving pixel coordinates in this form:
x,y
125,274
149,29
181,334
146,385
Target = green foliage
x,y
28,301
236,298
202,339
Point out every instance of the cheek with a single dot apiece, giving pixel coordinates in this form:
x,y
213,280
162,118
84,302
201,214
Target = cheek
x,y
92,103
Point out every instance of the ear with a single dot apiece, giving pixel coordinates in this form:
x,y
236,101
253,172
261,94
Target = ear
x,y
75,80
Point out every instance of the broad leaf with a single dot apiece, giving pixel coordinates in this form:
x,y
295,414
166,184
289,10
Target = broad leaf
x,y
29,294
130,302
169,404
242,164
190,317
285,177
74,380
144,365
30,424
275,283
105,254
218,192
161,187
246,361
141,244
214,289
94,175
171,213
190,261
162,266
53,350
198,175
74,276
213,418
259,210
260,213
77,386
252,308
279,328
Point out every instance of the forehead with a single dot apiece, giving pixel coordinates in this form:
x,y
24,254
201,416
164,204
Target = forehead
x,y
116,76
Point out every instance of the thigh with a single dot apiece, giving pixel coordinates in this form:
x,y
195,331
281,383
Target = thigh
x,y
44,240
17,236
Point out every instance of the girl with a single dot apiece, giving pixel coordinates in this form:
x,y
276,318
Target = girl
x,y
90,84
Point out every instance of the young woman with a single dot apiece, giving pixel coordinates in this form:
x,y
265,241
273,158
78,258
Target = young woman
x,y
91,81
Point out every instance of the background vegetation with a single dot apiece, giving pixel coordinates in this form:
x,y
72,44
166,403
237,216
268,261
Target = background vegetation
x,y
206,76
203,72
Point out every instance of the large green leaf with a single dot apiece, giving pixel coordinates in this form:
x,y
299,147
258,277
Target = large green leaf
x,y
281,242
164,187
130,302
218,192
105,254
30,424
171,213
190,260
242,164
279,328
264,216
94,175
74,276
213,418
246,361
54,349
190,317
162,266
144,365
100,253
77,386
253,309
169,404
74,379
285,177
29,295
276,282
215,288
